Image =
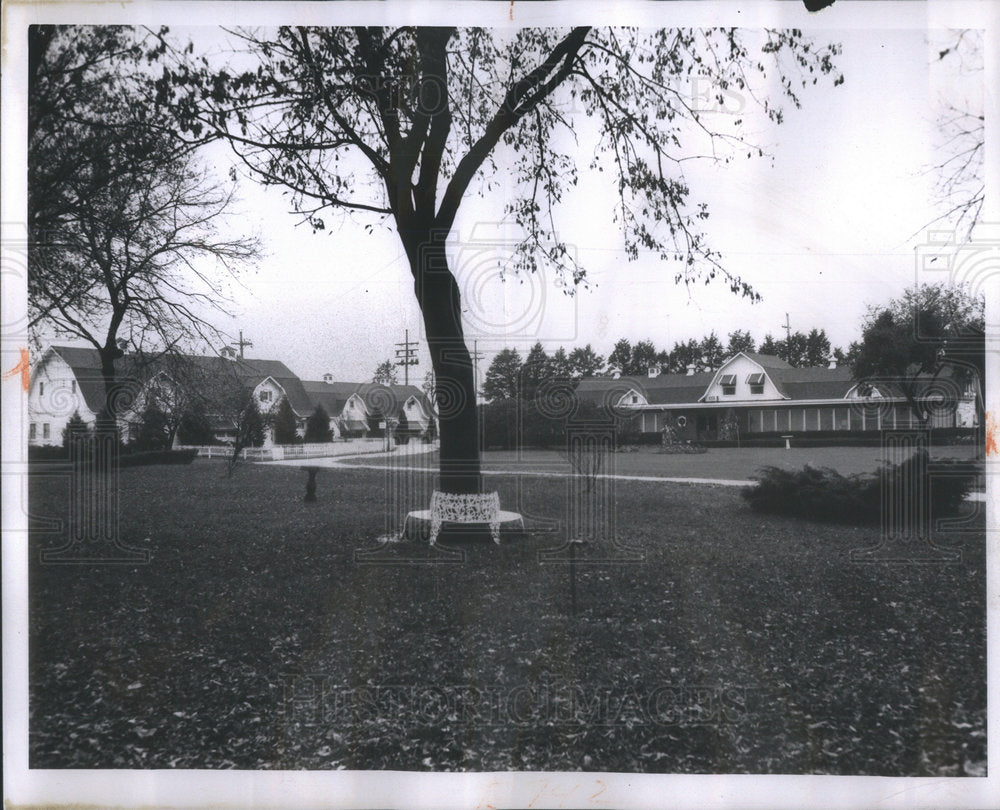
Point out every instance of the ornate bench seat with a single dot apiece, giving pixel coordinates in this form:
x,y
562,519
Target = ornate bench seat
x,y
463,509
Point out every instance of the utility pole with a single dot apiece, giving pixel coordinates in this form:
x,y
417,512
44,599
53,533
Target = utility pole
x,y
243,343
476,357
406,356
787,326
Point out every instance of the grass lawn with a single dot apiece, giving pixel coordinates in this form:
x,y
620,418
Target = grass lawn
x,y
727,463
739,643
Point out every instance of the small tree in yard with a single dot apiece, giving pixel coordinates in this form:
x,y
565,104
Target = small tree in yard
x,y
402,124
154,429
318,426
74,427
250,428
227,399
284,423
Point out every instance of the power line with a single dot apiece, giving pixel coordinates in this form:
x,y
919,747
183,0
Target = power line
x,y
241,343
476,357
406,356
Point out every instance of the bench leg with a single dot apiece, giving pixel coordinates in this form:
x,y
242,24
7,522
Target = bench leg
x,y
495,532
435,528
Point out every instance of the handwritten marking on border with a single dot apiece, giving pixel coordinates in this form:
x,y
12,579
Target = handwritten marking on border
x,y
23,368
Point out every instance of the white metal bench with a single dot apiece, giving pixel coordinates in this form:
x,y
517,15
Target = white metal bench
x,y
449,508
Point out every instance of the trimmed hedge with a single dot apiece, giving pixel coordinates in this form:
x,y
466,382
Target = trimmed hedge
x,y
48,452
158,457
126,459
819,493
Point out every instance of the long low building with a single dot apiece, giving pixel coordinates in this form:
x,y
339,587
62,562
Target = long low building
x,y
67,380
753,394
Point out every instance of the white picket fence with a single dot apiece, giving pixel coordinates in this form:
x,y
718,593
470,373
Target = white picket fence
x,y
279,452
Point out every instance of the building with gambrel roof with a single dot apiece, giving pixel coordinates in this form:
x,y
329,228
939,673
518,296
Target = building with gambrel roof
x,y
67,380
762,394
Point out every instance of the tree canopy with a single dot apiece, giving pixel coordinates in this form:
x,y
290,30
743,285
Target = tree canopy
x,y
404,123
385,373
928,343
503,377
122,218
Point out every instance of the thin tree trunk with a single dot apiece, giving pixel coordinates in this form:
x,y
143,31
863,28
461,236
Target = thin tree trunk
x,y
107,419
440,305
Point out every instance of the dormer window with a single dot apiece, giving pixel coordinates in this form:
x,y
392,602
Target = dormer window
x,y
756,383
41,389
265,396
728,383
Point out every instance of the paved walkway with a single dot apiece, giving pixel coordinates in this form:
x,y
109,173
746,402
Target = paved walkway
x,y
343,462
410,449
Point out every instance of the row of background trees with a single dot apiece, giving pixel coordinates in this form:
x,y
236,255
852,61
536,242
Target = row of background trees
x,y
508,376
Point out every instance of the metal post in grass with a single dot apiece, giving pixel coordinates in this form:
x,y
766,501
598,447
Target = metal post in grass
x,y
311,484
588,446
572,574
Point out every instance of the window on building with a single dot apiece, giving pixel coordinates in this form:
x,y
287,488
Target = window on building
x,y
635,399
756,383
265,396
32,431
41,389
72,386
728,383
45,430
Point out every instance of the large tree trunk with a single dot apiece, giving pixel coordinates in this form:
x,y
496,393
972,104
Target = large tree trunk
x,y
440,304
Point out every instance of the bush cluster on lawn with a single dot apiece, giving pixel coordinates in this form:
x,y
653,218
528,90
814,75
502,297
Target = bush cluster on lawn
x,y
819,493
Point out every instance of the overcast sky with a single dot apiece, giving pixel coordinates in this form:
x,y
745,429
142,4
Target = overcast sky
x,y
821,231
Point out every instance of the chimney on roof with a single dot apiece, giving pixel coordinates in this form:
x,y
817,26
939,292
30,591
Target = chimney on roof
x,y
832,362
328,378
690,369
653,371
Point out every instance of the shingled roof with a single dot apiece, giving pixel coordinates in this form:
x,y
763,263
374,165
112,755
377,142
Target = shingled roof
x,y
667,389
813,383
797,384
86,366
334,395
